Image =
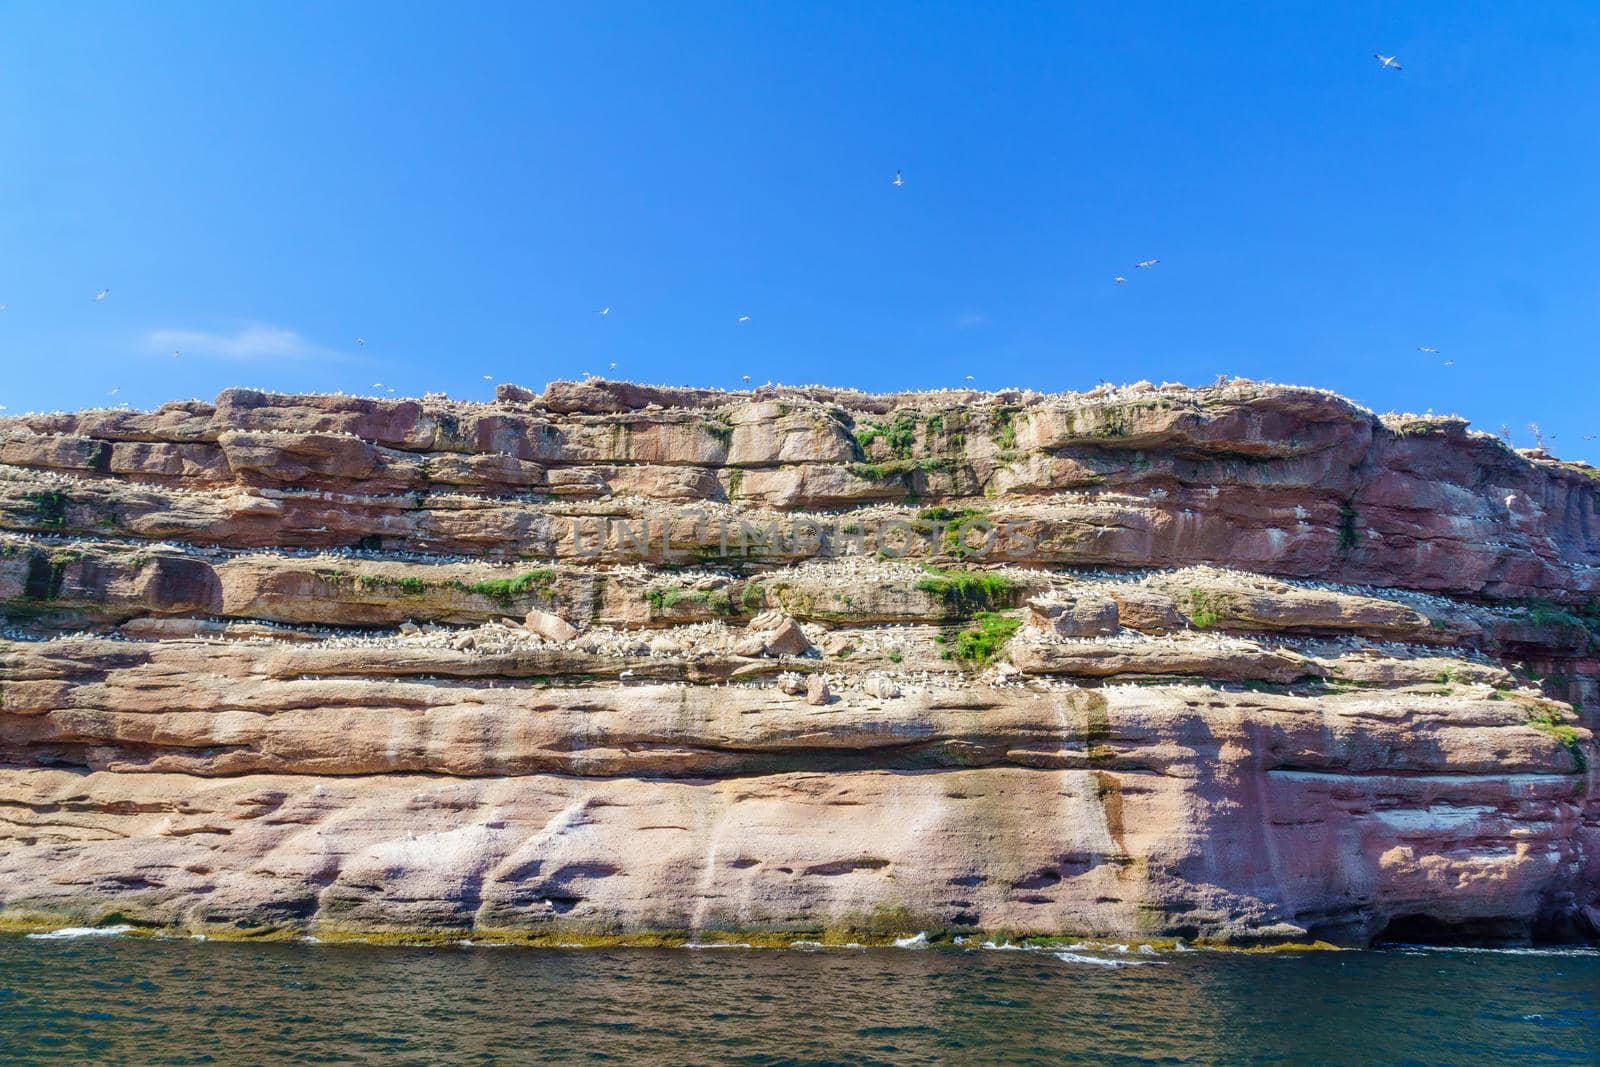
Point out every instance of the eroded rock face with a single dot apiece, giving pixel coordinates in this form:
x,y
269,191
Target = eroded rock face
x,y
1244,663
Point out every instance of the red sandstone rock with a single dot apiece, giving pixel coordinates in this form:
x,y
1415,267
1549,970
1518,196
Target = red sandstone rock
x,y
1294,760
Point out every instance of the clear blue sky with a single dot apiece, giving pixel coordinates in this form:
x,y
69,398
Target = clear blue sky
x,y
260,184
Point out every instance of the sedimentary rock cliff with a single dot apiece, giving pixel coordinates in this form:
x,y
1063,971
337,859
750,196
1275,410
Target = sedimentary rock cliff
x,y
1244,663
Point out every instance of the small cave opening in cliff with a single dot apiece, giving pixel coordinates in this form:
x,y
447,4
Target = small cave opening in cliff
x,y
1424,929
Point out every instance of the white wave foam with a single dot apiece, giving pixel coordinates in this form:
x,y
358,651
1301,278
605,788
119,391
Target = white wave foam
x,y
715,944
1078,957
1525,950
69,932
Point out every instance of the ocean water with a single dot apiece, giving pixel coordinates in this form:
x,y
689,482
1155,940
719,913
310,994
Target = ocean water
x,y
108,999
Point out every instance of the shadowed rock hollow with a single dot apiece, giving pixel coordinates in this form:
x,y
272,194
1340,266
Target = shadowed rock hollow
x,y
1246,663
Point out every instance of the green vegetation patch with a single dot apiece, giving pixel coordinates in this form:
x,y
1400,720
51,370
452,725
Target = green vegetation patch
x,y
1348,535
507,589
48,507
408,585
900,435
964,591
981,643
1207,609
1419,428
717,601
1551,720
1005,429
956,523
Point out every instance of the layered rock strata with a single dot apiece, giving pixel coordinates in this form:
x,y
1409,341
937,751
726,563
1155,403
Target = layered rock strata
x,y
1246,663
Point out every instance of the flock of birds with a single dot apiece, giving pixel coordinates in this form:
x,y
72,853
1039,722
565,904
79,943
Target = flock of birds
x,y
1390,63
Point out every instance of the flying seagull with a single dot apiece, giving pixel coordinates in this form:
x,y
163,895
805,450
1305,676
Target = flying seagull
x,y
174,353
1388,62
969,377
613,365
745,377
1449,363
1119,279
1147,264
604,311
362,341
898,180
744,318
102,294
114,392
1429,351
1586,437
488,377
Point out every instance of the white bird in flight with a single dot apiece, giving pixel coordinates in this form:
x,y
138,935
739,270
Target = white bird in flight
x,y
898,180
1387,62
969,377
604,311
1119,279
113,392
1429,351
745,377
488,377
174,353
362,341
613,365
1449,363
102,294
744,318
1147,264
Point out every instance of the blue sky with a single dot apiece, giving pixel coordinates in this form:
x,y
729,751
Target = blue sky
x,y
260,184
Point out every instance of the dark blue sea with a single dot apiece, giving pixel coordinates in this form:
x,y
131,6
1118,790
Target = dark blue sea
x,y
130,1000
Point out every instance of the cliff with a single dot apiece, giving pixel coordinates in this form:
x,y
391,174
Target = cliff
x,y
1245,663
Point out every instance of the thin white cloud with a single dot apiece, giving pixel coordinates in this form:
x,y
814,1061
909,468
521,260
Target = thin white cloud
x,y
251,342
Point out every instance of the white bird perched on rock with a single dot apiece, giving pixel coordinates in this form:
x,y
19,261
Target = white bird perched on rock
x,y
1387,62
1147,264
102,294
898,180
1429,351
